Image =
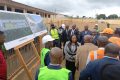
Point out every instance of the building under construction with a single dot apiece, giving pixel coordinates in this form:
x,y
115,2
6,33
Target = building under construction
x,y
9,5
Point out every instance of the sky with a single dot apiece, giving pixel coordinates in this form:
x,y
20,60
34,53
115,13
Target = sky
x,y
80,8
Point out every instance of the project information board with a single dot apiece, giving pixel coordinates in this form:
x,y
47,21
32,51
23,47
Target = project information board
x,y
16,29
36,24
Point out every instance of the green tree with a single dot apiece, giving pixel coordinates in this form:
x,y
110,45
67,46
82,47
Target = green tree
x,y
113,16
77,17
101,16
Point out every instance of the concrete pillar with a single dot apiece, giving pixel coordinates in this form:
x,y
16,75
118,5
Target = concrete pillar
x,y
49,15
44,15
52,17
13,9
40,14
55,16
34,12
24,11
47,18
5,7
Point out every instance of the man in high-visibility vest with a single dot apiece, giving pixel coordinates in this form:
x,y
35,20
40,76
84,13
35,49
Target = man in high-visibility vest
x,y
54,71
44,54
116,37
102,41
106,68
55,35
107,31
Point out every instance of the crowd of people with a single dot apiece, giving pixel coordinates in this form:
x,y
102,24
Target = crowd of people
x,y
94,54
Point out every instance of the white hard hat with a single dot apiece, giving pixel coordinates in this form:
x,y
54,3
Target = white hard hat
x,y
96,24
63,26
46,39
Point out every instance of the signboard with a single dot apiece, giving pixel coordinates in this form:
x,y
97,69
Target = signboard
x,y
36,24
16,29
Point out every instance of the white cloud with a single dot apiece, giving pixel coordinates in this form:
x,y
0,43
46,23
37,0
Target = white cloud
x,y
77,7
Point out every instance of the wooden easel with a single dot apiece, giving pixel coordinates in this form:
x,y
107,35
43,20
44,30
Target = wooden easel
x,y
40,41
22,62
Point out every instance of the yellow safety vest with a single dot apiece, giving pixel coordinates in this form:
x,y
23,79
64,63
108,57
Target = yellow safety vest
x,y
54,33
52,74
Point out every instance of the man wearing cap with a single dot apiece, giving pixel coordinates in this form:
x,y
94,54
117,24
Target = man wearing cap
x,y
55,35
96,28
44,54
102,41
116,37
107,32
94,69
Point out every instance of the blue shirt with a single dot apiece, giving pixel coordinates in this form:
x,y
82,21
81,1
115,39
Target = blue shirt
x,y
93,69
56,67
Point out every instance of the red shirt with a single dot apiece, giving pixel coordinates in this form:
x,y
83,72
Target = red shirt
x,y
3,67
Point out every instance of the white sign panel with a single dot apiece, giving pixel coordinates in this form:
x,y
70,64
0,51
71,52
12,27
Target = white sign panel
x,y
36,24
16,29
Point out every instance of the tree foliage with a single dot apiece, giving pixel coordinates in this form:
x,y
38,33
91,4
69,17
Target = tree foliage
x,y
101,16
113,16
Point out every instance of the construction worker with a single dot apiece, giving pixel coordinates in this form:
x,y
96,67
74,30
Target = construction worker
x,y
116,37
107,32
115,40
96,27
44,54
98,54
94,69
55,35
54,71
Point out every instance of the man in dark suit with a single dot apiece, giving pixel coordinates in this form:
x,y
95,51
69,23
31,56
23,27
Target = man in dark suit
x,y
93,69
83,33
60,31
73,31
65,35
